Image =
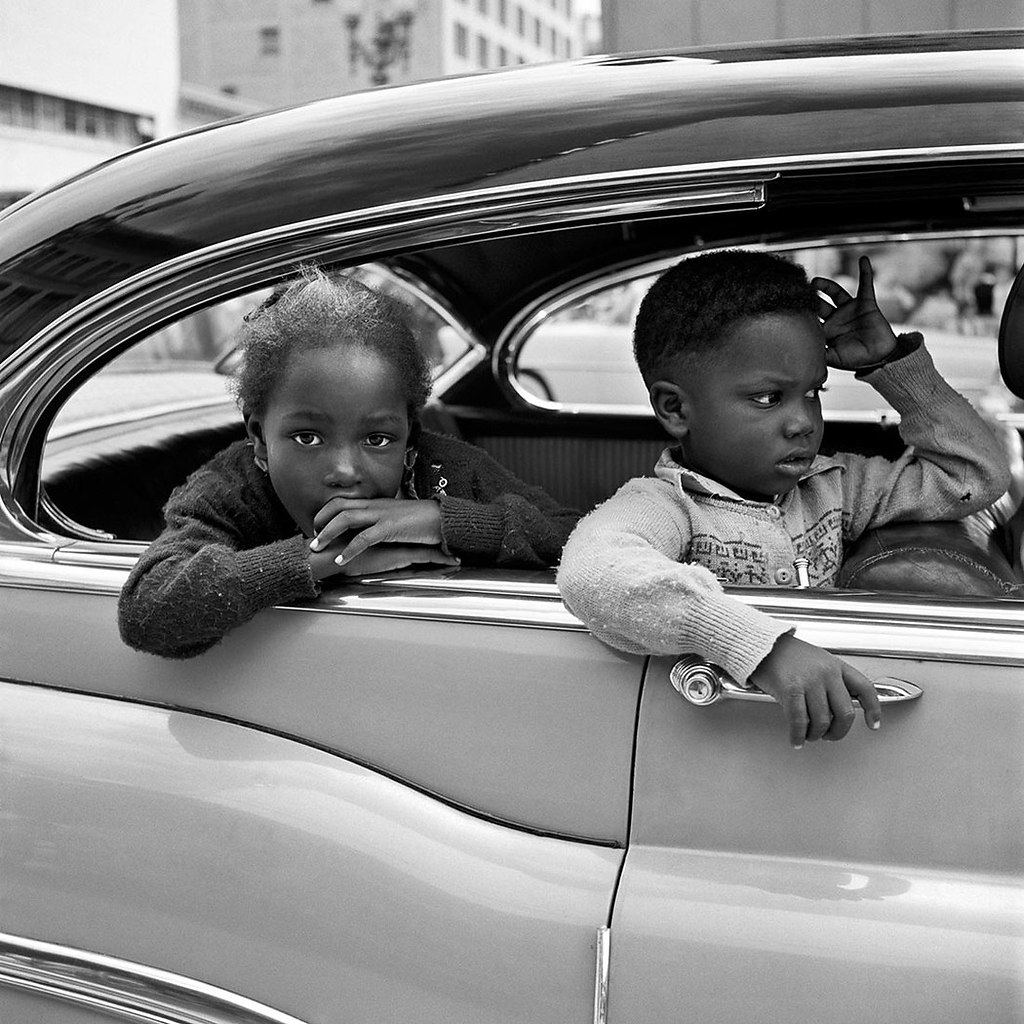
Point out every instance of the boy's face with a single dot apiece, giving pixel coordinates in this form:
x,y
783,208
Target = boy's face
x,y
336,424
749,416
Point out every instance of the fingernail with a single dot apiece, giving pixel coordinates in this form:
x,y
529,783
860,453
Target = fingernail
x,y
798,746
875,724
340,560
314,545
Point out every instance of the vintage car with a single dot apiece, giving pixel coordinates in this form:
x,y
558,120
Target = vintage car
x,y
431,795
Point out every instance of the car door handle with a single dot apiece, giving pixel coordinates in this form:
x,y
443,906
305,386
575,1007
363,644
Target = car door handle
x,y
703,684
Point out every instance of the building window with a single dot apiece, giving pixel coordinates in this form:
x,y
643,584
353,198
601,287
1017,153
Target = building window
x,y
520,21
537,31
483,54
503,11
502,56
461,40
553,38
567,44
22,108
481,6
270,41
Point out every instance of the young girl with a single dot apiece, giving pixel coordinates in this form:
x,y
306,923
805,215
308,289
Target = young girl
x,y
336,478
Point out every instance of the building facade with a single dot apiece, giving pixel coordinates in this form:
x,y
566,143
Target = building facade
x,y
661,24
73,93
278,52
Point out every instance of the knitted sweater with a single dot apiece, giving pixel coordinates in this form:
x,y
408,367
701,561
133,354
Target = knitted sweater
x,y
644,571
229,548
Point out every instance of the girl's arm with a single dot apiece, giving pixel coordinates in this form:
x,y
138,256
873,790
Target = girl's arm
x,y
198,579
504,521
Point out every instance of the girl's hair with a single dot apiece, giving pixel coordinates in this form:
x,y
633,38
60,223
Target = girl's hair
x,y
315,311
690,307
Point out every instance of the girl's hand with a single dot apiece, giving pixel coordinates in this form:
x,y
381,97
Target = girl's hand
x,y
380,558
856,333
363,523
814,689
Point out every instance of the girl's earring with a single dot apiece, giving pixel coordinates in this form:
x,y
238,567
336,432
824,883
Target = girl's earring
x,y
410,458
261,464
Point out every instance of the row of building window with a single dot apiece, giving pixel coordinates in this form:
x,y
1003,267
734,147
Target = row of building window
x,y
557,46
502,8
23,108
504,14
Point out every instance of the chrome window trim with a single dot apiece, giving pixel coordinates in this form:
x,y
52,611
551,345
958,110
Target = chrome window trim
x,y
519,330
123,988
846,622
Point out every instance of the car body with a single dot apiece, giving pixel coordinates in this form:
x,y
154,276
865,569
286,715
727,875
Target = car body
x,y
432,795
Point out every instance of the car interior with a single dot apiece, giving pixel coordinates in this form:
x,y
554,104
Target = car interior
x,y
530,338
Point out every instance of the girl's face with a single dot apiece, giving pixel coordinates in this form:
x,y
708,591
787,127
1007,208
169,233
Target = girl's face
x,y
336,425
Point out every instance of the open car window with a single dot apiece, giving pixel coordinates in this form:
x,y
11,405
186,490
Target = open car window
x,y
952,289
150,404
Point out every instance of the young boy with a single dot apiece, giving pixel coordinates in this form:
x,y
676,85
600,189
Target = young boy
x,y
734,347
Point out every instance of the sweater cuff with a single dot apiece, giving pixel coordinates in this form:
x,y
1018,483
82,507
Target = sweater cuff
x,y
277,573
905,345
730,634
471,527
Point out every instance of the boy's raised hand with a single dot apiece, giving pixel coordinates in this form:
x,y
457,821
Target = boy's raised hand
x,y
856,332
815,690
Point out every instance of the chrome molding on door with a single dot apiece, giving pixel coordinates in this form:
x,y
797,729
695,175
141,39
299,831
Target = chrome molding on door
x,y
122,989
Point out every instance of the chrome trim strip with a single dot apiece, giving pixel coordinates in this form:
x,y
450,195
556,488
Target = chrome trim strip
x,y
122,988
601,971
846,622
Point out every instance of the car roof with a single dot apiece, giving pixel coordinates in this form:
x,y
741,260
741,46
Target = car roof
x,y
704,112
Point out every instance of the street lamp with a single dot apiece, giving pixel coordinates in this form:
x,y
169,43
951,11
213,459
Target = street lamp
x,y
390,43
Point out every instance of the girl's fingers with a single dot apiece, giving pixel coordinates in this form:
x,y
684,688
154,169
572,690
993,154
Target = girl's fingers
x,y
352,519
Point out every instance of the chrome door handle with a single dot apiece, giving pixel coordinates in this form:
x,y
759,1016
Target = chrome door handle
x,y
703,684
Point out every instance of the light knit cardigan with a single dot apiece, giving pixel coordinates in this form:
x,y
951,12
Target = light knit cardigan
x,y
644,570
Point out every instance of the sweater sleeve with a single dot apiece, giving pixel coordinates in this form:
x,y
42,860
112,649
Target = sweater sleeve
x,y
198,579
621,576
504,521
953,464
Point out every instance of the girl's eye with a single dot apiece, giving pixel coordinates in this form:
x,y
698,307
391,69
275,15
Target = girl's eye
x,y
767,400
378,440
306,438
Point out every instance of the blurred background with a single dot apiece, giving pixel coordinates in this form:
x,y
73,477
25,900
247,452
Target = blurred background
x,y
81,80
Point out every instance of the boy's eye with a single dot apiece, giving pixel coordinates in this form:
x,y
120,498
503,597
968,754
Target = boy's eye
x,y
766,400
378,440
306,438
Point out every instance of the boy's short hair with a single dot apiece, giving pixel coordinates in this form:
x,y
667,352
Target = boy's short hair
x,y
691,305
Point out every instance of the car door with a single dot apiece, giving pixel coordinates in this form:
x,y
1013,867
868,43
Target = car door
x,y
877,878
402,801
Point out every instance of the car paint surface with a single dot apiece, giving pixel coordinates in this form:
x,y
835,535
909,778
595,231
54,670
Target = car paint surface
x,y
319,885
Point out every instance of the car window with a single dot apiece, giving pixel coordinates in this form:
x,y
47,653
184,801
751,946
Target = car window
x,y
186,365
151,415
951,289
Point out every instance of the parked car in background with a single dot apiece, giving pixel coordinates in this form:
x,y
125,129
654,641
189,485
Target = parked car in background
x,y
430,795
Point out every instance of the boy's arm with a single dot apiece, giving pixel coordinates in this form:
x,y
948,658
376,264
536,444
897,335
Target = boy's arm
x,y
195,582
620,574
954,465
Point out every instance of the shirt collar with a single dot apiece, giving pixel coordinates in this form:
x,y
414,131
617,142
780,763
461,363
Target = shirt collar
x,y
689,480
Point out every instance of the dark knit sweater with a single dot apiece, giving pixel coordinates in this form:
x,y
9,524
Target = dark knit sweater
x,y
229,548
